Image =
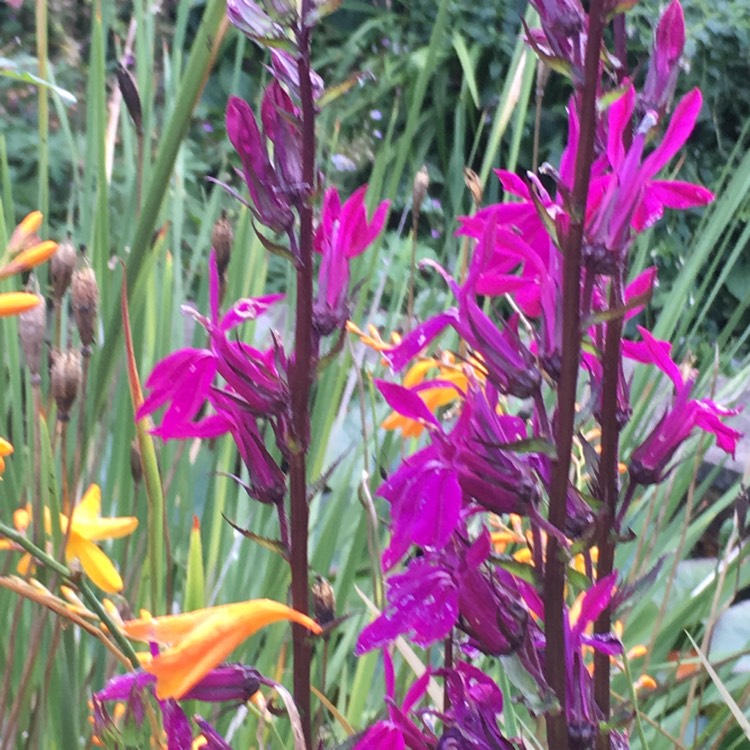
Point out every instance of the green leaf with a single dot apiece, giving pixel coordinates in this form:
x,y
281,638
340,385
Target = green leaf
x,y
9,69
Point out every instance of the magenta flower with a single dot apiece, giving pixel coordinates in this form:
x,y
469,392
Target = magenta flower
x,y
230,683
663,67
183,380
649,463
343,233
398,732
270,205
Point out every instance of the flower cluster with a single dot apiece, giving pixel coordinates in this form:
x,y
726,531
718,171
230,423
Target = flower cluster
x,y
483,458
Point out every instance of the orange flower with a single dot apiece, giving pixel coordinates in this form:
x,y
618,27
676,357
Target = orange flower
x,y
202,639
29,258
15,303
5,450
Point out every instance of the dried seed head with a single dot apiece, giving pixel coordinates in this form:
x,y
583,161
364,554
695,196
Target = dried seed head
x,y
32,327
222,237
472,181
136,469
66,377
85,294
421,183
130,96
324,601
62,266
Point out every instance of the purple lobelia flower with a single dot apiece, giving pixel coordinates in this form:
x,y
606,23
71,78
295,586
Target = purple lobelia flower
x,y
183,380
398,731
476,703
343,233
663,67
271,206
582,713
229,683
649,462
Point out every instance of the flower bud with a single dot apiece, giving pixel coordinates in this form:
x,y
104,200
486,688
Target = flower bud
x,y
324,601
85,294
222,237
61,266
419,190
32,327
66,378
136,469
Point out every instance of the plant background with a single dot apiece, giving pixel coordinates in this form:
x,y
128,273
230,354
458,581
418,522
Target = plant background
x,y
446,85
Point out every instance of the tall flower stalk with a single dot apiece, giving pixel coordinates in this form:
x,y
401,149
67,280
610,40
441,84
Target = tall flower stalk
x,y
255,392
561,258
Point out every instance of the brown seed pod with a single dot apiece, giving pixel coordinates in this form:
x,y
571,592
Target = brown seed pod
x,y
419,191
85,297
66,379
61,266
32,328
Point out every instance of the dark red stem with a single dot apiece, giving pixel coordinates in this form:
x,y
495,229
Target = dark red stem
x,y
300,382
554,576
608,485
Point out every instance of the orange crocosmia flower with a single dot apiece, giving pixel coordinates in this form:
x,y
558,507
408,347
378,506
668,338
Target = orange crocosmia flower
x,y
434,397
29,258
87,527
5,450
202,639
15,303
373,338
25,232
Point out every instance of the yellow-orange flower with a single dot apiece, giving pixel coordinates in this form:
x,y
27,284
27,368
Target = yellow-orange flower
x,y
202,639
15,303
6,449
87,527
24,234
29,258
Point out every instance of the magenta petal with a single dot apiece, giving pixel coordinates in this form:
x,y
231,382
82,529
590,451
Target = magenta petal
x,y
680,126
248,308
406,402
413,343
210,427
606,644
423,603
513,184
382,736
176,726
619,121
594,602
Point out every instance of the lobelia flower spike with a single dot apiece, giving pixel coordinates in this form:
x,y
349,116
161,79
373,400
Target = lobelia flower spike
x,y
343,233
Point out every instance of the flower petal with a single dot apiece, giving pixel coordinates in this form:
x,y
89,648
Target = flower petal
x,y
180,668
97,566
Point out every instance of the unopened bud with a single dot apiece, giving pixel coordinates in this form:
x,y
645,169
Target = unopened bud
x,y
32,327
130,96
136,468
85,294
419,191
61,265
222,237
324,601
472,181
66,377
